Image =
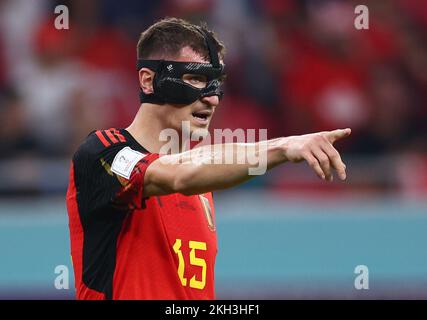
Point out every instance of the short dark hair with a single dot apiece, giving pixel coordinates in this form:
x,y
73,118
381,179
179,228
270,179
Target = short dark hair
x,y
165,39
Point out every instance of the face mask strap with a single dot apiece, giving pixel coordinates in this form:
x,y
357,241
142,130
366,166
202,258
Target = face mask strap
x,y
210,43
156,66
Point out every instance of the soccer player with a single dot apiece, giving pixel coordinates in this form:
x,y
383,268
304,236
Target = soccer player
x,y
142,223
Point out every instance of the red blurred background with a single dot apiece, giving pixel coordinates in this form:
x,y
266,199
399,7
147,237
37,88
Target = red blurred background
x,y
294,67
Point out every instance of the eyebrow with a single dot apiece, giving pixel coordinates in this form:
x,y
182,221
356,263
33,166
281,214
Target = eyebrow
x,y
195,75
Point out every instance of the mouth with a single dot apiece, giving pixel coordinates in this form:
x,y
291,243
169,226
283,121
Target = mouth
x,y
202,116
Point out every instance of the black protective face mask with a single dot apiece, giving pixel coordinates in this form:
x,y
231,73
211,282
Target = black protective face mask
x,y
168,85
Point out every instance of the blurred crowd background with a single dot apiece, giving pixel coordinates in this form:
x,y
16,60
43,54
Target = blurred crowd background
x,y
294,67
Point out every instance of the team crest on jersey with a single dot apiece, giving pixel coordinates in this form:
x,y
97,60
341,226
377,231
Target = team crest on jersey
x,y
208,212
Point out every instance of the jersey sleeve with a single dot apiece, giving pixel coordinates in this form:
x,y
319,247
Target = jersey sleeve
x,y
132,187
110,175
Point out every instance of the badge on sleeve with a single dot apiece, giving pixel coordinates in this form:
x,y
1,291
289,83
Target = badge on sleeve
x,y
125,160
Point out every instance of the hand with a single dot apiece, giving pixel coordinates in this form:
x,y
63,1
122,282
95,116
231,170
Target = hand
x,y
318,150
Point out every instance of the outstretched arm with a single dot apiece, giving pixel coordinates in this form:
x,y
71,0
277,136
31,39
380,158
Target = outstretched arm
x,y
208,168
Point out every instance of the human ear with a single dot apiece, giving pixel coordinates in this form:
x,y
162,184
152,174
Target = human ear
x,y
146,77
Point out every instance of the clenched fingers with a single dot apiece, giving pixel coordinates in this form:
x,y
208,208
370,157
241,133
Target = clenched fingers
x,y
323,158
314,163
335,160
324,161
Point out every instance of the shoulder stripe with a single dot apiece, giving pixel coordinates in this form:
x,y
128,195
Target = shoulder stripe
x,y
111,136
119,135
102,138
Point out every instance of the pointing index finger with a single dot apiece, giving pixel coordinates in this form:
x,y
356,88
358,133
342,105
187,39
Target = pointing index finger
x,y
338,134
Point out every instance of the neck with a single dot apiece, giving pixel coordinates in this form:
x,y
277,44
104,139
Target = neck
x,y
146,128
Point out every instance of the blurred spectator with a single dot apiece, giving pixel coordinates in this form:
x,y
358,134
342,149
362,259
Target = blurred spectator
x,y
19,19
412,175
49,86
325,82
294,66
16,140
2,65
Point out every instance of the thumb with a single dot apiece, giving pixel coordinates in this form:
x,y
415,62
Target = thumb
x,y
338,134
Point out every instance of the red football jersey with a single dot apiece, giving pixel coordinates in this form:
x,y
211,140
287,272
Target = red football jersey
x,y
125,246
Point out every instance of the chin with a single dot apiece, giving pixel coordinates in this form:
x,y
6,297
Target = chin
x,y
191,126
200,130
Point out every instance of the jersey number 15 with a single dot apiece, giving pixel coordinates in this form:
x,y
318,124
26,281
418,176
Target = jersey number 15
x,y
195,261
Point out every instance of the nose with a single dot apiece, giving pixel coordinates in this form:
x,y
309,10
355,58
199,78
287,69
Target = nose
x,y
211,100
